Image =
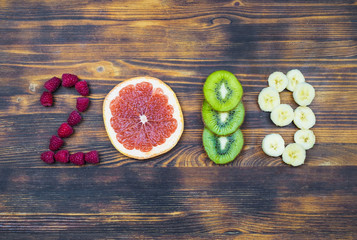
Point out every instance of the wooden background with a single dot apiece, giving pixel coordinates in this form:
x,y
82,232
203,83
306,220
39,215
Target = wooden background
x,y
182,194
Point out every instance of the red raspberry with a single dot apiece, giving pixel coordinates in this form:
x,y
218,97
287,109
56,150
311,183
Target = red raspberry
x,y
77,158
91,157
47,157
55,143
65,130
62,156
82,104
69,80
82,88
46,99
74,118
52,84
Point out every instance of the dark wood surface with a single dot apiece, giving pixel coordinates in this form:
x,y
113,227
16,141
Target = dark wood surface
x,y
181,194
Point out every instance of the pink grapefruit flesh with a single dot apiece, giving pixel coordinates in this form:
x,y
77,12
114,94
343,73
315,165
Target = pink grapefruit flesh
x,y
143,117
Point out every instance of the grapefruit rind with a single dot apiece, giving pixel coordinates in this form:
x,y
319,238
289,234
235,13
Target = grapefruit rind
x,y
177,114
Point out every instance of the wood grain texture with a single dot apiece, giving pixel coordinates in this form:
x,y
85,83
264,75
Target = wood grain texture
x,y
181,194
179,203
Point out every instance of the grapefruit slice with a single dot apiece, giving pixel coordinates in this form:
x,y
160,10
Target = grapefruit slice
x,y
142,117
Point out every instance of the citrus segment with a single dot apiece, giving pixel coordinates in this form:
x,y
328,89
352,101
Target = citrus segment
x,y
143,117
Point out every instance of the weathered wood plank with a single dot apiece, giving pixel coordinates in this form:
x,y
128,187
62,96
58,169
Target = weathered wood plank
x,y
179,202
221,30
182,194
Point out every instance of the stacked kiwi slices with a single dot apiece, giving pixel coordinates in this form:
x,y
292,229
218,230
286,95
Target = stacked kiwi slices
x,y
222,113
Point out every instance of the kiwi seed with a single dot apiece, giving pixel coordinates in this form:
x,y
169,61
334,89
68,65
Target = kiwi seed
x,y
223,123
222,149
222,90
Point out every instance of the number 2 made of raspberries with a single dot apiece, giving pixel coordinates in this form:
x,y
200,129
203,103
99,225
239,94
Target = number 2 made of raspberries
x,y
65,130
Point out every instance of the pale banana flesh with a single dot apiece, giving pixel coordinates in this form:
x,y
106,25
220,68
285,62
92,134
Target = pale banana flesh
x,y
304,93
268,99
304,118
273,145
278,80
282,115
294,154
306,138
295,77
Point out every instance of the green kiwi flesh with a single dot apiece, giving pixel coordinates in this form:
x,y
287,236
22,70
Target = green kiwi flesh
x,y
222,90
222,149
223,123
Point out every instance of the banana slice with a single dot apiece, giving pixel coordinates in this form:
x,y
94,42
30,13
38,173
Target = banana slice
x,y
278,80
273,145
295,77
304,117
306,138
303,94
282,115
294,154
268,99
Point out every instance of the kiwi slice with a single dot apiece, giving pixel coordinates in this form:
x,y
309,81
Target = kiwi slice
x,y
223,123
222,90
222,149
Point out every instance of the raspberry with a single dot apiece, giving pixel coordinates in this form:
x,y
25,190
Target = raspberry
x,y
65,130
82,88
55,143
46,99
69,80
91,157
47,157
62,156
74,118
82,104
52,84
77,158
